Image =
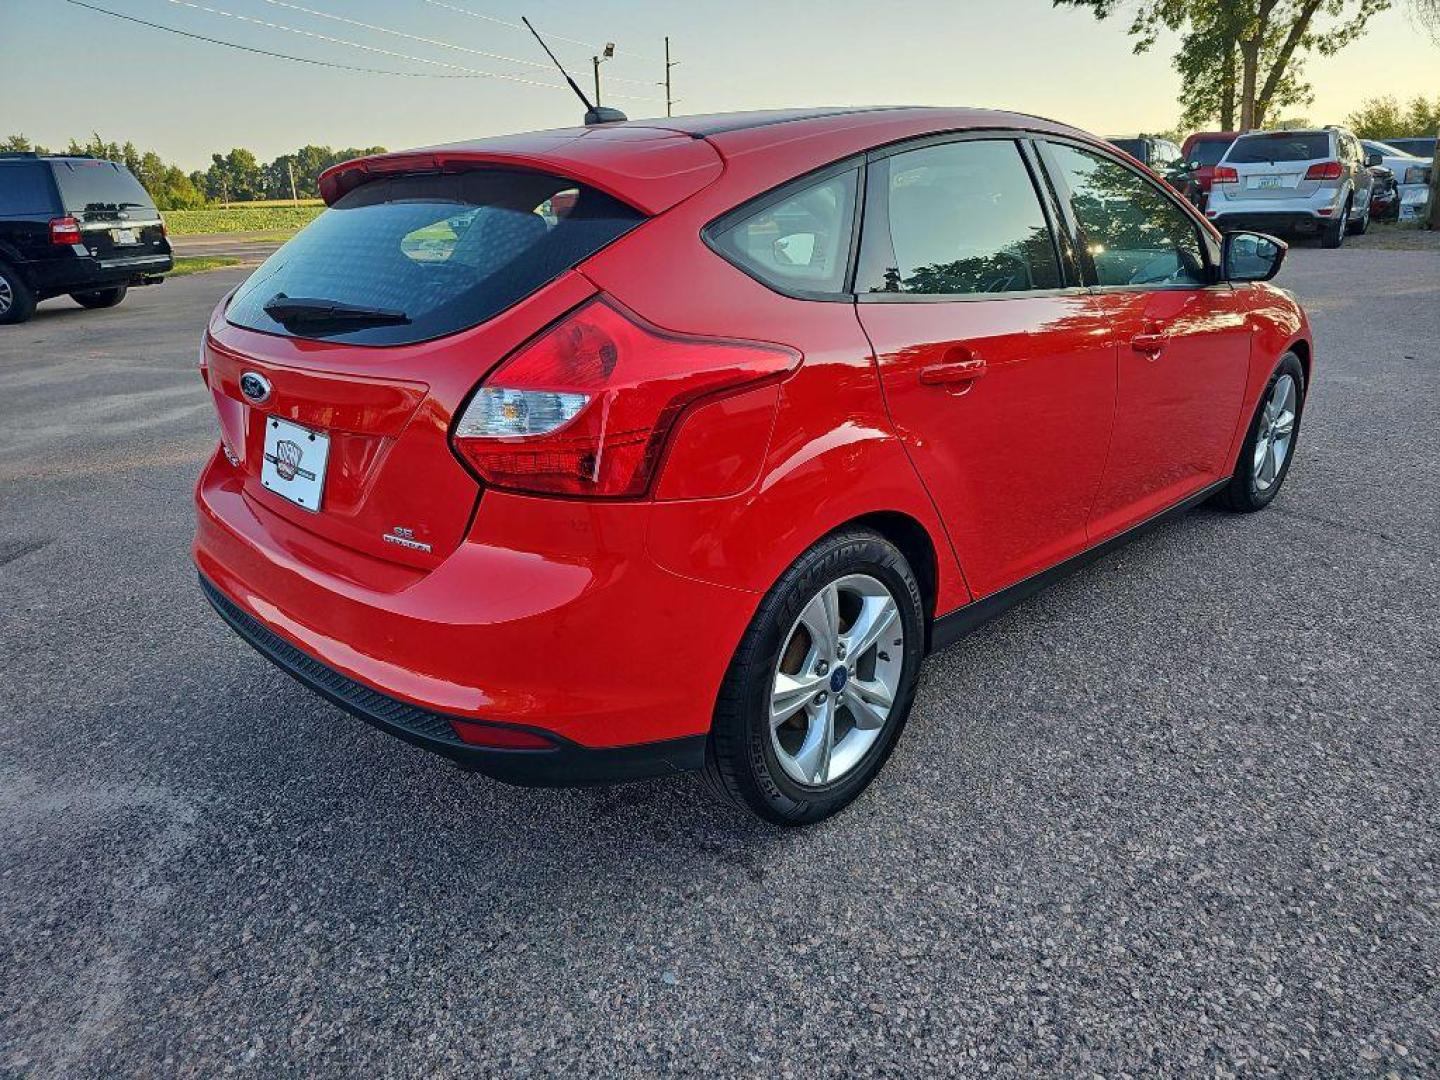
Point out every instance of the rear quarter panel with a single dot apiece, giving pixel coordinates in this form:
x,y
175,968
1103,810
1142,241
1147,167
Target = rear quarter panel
x,y
833,455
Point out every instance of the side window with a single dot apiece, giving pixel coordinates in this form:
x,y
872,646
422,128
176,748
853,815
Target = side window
x,y
25,189
964,219
801,242
1134,234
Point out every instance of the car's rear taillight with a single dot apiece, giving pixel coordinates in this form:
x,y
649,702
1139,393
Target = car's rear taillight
x,y
1324,170
1224,174
584,408
64,230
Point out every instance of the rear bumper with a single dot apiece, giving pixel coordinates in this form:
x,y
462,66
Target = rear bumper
x,y
567,764
1269,220
550,616
55,276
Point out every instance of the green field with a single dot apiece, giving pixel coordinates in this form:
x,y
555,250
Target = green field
x,y
197,264
240,219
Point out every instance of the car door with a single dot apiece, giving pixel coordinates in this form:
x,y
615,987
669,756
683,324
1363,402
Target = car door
x,y
1183,342
994,361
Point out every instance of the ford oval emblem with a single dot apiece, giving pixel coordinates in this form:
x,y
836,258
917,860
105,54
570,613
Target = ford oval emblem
x,y
255,387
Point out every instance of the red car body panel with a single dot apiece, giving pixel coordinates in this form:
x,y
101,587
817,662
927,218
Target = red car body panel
x,y
611,623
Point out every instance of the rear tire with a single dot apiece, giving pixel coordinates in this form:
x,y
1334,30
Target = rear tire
x,y
1334,234
1363,225
759,765
17,302
1264,461
100,298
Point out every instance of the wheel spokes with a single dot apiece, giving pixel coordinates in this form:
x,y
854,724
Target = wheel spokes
x,y
821,618
813,757
869,703
791,693
878,615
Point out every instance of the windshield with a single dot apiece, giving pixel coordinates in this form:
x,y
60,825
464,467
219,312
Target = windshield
x,y
98,186
435,254
1277,146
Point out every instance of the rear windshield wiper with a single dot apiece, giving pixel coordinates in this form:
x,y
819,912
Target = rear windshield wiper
x,y
297,309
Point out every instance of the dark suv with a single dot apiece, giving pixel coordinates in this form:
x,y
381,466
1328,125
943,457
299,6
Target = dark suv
x,y
74,225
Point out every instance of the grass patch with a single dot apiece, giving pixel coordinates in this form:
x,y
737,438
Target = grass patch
x,y
241,219
198,264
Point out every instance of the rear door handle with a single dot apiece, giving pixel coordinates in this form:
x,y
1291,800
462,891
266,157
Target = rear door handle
x,y
965,369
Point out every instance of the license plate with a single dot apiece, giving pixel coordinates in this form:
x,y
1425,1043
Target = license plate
x,y
124,236
294,462
1269,182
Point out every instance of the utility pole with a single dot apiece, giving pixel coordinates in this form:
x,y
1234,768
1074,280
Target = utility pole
x,y
669,101
290,168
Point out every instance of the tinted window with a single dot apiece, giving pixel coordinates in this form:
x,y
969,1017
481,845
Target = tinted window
x,y
964,218
1419,147
25,189
1133,232
98,185
1134,147
1209,151
1279,146
801,242
447,251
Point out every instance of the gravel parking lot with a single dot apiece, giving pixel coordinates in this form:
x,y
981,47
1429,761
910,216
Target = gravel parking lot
x,y
1180,814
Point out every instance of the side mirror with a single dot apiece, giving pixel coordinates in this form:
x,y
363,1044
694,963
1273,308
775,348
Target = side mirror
x,y
1372,159
1247,256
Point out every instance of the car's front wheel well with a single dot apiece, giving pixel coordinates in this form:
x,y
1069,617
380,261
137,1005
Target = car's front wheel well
x,y
914,542
1301,348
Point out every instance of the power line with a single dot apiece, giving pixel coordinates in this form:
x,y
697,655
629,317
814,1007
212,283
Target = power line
x,y
516,26
423,40
267,52
472,72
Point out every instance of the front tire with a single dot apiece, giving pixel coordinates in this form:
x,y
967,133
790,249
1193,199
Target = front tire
x,y
17,302
100,298
1269,446
1361,227
822,682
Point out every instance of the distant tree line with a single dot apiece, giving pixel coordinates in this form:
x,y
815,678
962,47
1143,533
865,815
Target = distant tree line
x,y
238,176
1385,118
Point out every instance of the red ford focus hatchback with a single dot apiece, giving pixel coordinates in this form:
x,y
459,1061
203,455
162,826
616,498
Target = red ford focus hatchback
x,y
603,453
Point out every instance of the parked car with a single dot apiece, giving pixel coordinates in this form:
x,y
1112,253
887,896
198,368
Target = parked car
x,y
1300,181
1384,195
694,475
1412,175
1200,154
1159,155
74,225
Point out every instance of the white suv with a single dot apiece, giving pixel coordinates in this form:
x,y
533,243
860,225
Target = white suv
x,y
1307,181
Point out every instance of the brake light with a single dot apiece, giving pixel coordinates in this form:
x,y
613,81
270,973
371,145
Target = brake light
x,y
1324,170
585,408
64,230
1224,174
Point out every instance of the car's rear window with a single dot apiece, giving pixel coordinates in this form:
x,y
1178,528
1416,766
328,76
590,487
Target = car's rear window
x,y
447,251
1209,151
1277,146
98,186
1134,147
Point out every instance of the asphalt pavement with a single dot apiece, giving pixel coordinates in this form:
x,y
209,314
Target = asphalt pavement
x,y
1178,815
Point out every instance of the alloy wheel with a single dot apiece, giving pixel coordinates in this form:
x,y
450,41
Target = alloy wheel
x,y
7,296
1276,434
836,680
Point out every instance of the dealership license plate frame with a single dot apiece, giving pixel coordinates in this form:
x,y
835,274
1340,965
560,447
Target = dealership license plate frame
x,y
294,461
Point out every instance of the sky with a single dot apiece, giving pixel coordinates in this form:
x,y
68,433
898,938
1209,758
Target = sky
x,y
66,71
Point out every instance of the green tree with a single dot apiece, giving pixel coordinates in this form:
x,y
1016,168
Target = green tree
x,y
20,144
235,177
1245,52
1385,118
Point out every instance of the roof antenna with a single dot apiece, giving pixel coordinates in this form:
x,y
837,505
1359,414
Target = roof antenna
x,y
594,114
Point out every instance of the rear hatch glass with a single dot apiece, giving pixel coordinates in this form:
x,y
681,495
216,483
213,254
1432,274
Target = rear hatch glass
x,y
1209,151
100,187
1280,146
409,258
